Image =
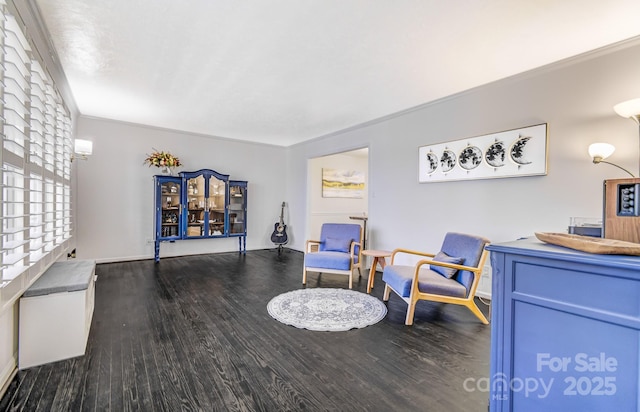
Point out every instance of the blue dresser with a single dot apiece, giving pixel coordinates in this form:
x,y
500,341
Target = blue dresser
x,y
565,329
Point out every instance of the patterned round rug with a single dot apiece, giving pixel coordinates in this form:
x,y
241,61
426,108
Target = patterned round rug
x,y
323,309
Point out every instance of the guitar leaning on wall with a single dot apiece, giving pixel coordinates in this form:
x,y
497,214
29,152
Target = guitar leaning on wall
x,y
279,235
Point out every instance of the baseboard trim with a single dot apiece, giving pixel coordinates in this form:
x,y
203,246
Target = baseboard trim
x,y
484,295
7,376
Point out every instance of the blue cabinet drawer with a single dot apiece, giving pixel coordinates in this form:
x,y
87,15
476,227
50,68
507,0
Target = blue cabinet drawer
x,y
599,291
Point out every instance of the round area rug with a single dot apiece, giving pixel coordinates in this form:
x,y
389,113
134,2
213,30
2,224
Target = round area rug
x,y
323,309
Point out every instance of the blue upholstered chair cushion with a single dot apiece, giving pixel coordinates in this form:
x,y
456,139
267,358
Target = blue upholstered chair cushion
x,y
399,277
348,232
337,244
443,257
328,260
467,247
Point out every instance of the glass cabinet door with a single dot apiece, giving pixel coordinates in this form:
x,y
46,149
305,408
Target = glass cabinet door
x,y
237,208
205,204
196,206
168,202
217,204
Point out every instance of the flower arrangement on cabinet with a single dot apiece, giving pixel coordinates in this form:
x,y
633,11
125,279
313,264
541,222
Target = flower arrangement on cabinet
x,y
162,159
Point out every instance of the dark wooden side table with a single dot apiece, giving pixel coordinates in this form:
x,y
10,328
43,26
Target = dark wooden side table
x,y
378,257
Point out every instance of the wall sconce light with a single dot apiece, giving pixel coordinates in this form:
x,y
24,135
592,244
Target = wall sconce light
x,y
600,151
630,110
82,149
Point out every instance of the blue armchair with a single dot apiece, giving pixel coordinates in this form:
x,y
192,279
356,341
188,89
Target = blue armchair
x,y
337,251
450,276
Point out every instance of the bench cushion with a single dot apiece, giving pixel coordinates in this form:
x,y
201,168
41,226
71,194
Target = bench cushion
x,y
65,276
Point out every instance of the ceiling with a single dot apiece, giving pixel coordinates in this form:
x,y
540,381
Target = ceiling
x,y
285,71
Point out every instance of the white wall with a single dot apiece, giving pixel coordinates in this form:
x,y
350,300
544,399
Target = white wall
x,y
575,98
115,189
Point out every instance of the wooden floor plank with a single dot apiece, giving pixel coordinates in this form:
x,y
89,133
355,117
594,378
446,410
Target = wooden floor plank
x,y
193,333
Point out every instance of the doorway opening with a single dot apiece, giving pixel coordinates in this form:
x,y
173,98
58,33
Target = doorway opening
x,y
327,206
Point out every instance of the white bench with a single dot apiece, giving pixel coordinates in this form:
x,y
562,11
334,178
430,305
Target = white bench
x,y
55,314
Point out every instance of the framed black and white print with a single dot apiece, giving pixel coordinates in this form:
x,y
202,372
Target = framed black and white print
x,y
512,153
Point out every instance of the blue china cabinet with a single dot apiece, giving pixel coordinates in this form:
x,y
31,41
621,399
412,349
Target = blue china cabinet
x,y
199,205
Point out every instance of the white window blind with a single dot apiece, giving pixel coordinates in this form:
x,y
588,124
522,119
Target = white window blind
x,y
15,101
36,218
49,128
49,215
37,145
13,223
37,97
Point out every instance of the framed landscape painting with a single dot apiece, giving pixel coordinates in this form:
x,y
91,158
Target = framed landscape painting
x,y
342,183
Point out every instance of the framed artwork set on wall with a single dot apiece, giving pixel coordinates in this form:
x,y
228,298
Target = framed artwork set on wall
x,y
512,153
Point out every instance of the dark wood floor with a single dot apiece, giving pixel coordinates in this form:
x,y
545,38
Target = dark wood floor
x,y
193,334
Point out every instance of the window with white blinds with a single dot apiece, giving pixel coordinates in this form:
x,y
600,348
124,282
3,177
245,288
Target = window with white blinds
x,y
36,155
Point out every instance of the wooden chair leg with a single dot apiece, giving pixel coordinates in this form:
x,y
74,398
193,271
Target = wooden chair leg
x,y
304,276
476,311
387,292
351,280
410,313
